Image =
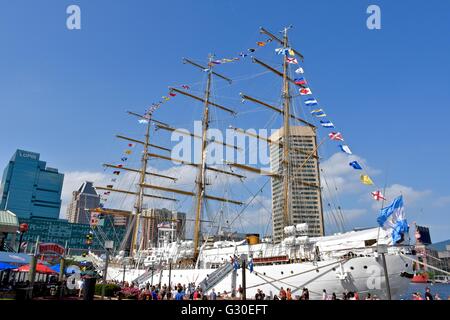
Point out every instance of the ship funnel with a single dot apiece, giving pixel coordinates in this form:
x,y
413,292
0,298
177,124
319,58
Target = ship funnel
x,y
252,238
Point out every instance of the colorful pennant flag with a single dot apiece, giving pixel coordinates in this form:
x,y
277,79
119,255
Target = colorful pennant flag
x,y
119,165
355,165
116,172
124,159
365,179
291,52
114,180
291,60
172,94
300,81
326,124
318,113
132,145
311,102
299,71
305,91
143,121
128,152
185,87
345,149
336,136
377,195
261,43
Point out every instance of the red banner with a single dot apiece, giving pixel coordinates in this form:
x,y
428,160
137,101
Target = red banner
x,y
50,248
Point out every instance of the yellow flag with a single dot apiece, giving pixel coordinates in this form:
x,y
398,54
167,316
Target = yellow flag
x,y
366,179
261,43
128,151
291,52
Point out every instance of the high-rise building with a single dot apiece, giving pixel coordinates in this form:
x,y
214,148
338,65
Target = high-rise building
x,y
29,188
304,201
63,232
156,218
83,199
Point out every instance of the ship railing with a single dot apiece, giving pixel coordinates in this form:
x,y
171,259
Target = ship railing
x,y
371,250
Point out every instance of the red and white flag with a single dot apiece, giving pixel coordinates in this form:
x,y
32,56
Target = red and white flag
x,y
377,195
291,60
336,136
305,91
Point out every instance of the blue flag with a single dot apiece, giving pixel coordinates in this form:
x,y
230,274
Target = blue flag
x,y
326,124
393,218
250,266
236,265
355,165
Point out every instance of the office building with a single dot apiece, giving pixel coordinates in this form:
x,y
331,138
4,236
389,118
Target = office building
x,y
29,188
63,232
153,219
305,202
83,199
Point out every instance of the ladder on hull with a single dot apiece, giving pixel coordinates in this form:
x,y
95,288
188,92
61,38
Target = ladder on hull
x,y
214,278
143,278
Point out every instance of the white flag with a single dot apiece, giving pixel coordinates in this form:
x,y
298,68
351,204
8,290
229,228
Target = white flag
x,y
345,149
305,91
299,71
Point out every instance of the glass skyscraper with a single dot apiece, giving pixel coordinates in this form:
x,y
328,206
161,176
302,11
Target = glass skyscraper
x,y
29,188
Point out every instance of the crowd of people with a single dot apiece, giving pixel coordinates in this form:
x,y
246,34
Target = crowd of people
x,y
428,295
193,292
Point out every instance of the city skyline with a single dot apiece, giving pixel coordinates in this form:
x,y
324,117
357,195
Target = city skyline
x,y
105,69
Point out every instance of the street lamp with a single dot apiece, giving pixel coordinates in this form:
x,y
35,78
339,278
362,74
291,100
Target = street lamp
x,y
22,228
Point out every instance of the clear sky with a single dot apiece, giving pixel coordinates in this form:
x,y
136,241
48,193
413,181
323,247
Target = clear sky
x,y
64,93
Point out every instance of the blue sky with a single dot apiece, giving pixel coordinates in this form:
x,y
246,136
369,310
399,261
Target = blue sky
x,y
64,93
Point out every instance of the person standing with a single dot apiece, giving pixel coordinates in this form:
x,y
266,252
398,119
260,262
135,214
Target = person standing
x,y
180,294
428,295
288,294
324,295
213,295
282,294
80,285
241,292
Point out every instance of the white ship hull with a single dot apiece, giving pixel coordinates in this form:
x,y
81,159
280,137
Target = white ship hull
x,y
361,274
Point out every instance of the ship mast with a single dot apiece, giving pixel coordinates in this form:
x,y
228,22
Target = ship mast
x,y
286,134
140,190
201,177
283,142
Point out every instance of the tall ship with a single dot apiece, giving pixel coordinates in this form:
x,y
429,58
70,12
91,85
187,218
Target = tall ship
x,y
297,254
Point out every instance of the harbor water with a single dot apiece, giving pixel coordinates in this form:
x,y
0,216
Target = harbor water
x,y
442,289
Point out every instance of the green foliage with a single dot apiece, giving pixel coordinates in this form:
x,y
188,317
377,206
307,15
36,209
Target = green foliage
x,y
110,289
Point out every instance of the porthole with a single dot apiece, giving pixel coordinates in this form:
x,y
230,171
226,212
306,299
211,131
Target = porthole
x,y
292,272
282,272
264,273
334,269
351,268
317,270
406,265
365,267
